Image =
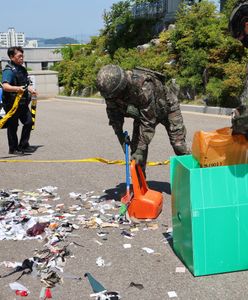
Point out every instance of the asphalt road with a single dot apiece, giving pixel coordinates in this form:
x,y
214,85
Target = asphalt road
x,y
74,130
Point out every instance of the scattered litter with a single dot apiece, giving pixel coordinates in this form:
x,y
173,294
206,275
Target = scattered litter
x,y
172,294
95,197
148,250
99,243
137,285
28,215
101,262
102,233
180,269
45,293
19,289
75,195
100,293
134,229
10,264
37,229
27,264
126,234
151,226
96,286
48,189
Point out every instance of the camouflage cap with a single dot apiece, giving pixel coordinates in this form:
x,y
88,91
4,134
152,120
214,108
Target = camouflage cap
x,y
111,81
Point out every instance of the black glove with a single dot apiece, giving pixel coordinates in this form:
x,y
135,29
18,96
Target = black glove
x,y
139,157
123,139
240,120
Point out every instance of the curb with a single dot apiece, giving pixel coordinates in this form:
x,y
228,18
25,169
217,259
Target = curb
x,y
224,111
82,99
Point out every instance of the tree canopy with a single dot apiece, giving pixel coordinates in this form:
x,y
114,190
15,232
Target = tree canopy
x,y
199,52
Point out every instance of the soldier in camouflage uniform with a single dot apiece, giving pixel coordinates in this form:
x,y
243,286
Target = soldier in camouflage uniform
x,y
238,26
141,94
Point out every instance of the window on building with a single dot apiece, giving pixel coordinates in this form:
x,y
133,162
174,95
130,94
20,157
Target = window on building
x,y
44,65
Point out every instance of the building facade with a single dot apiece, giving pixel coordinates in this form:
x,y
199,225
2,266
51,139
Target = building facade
x,y
35,59
164,10
12,38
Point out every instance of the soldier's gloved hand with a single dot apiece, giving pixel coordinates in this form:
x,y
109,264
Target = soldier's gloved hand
x,y
123,139
240,120
181,149
138,156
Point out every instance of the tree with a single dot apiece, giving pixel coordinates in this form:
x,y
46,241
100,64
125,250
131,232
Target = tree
x,y
205,52
122,30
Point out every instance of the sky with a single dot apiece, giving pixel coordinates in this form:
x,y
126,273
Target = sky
x,y
55,18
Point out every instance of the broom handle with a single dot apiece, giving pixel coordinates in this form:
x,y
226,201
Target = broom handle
x,y
127,164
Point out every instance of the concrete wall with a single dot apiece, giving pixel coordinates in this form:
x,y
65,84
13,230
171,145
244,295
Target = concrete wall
x,y
34,57
46,83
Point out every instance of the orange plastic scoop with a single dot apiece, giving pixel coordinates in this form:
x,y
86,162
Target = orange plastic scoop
x,y
146,203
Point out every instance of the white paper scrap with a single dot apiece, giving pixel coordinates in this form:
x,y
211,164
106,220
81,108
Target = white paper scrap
x,y
180,269
100,262
148,250
172,294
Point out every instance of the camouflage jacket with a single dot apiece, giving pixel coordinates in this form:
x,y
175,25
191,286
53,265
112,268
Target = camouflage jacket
x,y
146,100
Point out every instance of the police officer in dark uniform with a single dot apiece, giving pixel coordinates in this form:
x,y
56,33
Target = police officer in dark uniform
x,y
142,95
14,78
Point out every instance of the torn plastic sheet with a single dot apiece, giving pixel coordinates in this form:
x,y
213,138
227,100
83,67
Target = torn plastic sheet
x,y
10,264
100,293
27,264
96,286
17,287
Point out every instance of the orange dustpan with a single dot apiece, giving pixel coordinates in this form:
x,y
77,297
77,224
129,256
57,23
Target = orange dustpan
x,y
146,203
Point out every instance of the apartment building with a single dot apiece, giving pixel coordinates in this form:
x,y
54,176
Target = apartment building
x,y
12,38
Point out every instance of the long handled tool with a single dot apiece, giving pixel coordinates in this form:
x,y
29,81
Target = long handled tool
x,y
126,199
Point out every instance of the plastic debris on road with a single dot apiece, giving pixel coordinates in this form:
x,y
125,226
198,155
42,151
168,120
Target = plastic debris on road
x,y
100,293
148,250
40,215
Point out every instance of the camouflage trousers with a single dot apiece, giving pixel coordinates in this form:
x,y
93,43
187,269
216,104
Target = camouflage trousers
x,y
173,123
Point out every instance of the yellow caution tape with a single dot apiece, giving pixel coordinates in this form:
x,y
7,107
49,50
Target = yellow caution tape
x,y
12,110
33,112
85,160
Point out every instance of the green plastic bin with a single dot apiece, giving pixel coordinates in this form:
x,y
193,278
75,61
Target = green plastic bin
x,y
209,216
